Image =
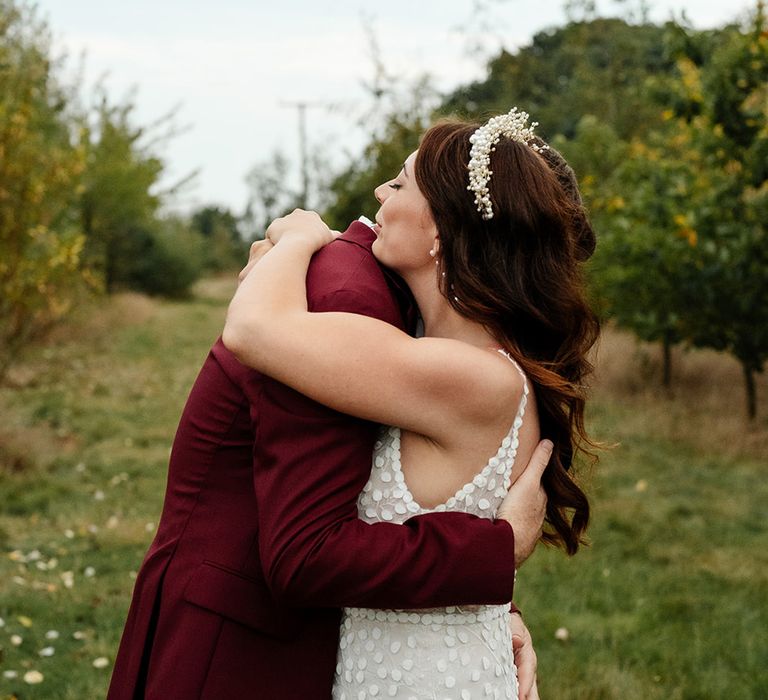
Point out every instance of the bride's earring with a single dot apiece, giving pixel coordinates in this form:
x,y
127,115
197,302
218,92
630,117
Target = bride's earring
x,y
433,251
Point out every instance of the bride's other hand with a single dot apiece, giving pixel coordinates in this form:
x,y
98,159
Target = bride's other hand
x,y
525,658
304,225
258,250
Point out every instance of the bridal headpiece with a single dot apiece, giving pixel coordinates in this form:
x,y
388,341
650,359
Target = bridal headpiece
x,y
513,125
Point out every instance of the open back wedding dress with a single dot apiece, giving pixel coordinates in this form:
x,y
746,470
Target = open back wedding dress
x,y
449,653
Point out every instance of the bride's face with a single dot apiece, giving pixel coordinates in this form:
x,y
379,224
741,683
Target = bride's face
x,y
406,231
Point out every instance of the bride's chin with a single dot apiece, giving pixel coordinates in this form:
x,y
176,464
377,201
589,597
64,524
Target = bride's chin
x,y
376,250
379,251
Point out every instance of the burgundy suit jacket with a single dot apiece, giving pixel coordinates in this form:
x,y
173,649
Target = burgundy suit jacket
x,y
259,543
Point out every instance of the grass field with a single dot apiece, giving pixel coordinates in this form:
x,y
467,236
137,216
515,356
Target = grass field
x,y
670,601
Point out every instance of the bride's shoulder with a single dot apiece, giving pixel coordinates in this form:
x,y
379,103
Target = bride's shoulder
x,y
484,379
509,380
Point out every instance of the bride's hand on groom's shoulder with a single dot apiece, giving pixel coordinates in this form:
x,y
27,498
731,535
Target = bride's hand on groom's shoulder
x,y
304,225
299,224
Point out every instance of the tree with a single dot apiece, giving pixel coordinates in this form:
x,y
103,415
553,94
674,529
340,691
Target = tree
x,y
40,167
117,199
683,254
597,67
723,100
224,245
398,118
644,269
382,159
120,203
269,197
166,256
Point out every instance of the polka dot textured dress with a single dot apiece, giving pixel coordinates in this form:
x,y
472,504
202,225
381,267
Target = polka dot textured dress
x,y
454,653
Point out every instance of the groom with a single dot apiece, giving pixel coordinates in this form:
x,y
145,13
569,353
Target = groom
x,y
259,543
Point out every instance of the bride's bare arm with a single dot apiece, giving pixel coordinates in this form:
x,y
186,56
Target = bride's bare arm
x,y
355,364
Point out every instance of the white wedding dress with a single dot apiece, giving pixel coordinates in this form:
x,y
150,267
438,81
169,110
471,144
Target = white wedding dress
x,y
450,653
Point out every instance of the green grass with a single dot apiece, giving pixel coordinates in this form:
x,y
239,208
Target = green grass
x,y
668,602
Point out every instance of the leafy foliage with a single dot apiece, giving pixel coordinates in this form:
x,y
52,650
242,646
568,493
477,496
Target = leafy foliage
x,y
666,127
684,254
79,194
597,67
118,204
224,246
381,161
728,92
40,167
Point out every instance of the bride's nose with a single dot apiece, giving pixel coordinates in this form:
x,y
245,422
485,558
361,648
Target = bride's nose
x,y
379,194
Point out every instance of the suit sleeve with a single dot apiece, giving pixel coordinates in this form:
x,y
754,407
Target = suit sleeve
x,y
311,464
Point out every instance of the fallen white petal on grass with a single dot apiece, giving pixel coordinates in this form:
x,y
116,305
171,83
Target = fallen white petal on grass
x,y
118,478
641,486
78,635
52,634
19,580
98,495
47,651
69,534
101,662
68,579
10,674
89,572
149,527
562,634
113,522
16,640
2,622
33,677
24,621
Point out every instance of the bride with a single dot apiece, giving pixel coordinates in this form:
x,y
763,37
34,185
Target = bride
x,y
486,227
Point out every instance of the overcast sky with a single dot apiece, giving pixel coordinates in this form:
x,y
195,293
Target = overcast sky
x,y
230,65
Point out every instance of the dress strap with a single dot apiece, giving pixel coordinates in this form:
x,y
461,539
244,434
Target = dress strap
x,y
502,351
518,422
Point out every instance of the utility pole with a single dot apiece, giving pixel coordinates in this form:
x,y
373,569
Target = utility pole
x,y
301,106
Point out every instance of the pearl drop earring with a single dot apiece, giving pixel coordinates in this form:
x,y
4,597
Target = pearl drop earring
x,y
432,252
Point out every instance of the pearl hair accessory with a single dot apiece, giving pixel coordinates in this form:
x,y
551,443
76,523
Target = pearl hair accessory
x,y
514,125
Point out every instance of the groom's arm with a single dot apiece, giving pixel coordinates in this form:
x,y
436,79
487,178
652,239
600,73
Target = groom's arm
x,y
316,552
311,464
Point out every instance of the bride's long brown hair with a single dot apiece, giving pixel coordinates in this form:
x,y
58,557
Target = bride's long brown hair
x,y
519,274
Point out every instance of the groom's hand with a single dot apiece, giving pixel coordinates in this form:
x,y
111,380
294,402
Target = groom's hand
x,y
525,505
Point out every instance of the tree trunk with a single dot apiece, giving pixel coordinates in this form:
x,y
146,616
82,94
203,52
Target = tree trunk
x,y
749,385
666,345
